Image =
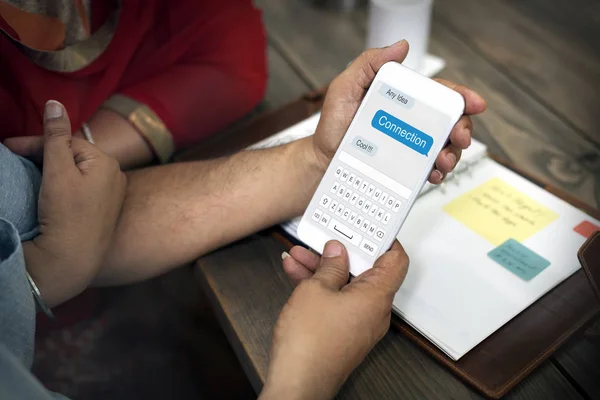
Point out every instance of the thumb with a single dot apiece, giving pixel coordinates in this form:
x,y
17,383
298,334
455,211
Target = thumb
x,y
58,155
388,272
334,269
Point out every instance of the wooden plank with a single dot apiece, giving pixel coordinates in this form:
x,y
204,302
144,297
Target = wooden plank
x,y
559,71
516,126
319,42
248,288
573,20
580,360
284,83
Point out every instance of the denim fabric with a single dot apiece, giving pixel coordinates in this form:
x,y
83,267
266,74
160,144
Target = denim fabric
x,y
19,188
20,182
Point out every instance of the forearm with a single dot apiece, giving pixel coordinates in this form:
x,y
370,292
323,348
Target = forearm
x,y
175,213
118,138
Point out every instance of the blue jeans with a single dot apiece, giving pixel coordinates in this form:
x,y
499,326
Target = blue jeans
x,y
20,184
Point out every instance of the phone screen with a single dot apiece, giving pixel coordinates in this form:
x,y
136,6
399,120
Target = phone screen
x,y
397,136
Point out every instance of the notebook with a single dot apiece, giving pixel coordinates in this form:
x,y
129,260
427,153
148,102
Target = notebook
x,y
483,247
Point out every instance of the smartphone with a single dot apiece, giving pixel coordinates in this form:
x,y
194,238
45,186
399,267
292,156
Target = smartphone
x,y
381,165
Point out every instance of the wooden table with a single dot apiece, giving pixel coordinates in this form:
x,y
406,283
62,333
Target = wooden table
x,y
537,65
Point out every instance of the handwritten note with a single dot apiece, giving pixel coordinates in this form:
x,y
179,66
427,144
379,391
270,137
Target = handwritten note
x,y
498,211
518,259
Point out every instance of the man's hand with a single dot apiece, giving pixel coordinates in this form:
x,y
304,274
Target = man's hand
x,y
329,325
80,200
347,91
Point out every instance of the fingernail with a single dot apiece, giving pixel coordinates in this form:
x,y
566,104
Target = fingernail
x,y
440,176
53,110
452,158
399,43
284,255
332,249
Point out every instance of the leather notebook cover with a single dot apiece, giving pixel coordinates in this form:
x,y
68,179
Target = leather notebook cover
x,y
507,356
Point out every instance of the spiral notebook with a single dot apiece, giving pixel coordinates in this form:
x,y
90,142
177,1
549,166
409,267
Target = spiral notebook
x,y
483,247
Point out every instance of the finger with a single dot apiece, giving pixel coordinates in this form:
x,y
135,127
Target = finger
x,y
461,132
474,103
447,159
436,177
363,69
388,272
84,152
306,257
295,271
26,146
334,269
58,156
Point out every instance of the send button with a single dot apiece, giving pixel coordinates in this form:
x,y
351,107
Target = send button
x,y
364,145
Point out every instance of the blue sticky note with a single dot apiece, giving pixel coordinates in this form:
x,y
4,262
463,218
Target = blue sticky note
x,y
518,259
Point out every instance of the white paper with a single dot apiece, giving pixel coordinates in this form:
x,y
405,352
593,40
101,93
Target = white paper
x,y
454,293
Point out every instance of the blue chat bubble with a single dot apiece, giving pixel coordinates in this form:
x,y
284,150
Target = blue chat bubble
x,y
402,132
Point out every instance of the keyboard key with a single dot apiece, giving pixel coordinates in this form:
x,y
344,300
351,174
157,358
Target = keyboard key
x,y
333,205
346,214
367,207
371,190
387,218
352,218
373,210
347,195
396,206
353,198
325,200
351,179
357,183
324,219
368,247
339,210
317,214
359,221
341,191
345,174
361,202
365,225
364,186
335,187
338,171
377,194
380,214
379,234
345,232
372,229
390,202
383,198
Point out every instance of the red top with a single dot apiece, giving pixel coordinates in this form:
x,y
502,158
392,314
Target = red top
x,y
198,65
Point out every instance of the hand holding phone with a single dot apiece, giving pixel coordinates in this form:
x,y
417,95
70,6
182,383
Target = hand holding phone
x,y
381,164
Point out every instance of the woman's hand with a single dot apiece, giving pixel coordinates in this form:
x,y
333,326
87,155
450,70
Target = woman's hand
x,y
347,91
329,325
80,200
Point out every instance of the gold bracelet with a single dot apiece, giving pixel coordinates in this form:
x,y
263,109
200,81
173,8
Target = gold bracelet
x,y
38,297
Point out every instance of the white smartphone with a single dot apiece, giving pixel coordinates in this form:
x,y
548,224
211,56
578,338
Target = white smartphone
x,y
381,165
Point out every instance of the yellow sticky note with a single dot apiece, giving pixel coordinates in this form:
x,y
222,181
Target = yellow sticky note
x,y
498,212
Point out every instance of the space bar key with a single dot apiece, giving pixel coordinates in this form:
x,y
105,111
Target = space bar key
x,y
345,232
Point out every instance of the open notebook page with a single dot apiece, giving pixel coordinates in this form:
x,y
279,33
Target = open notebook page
x,y
454,293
